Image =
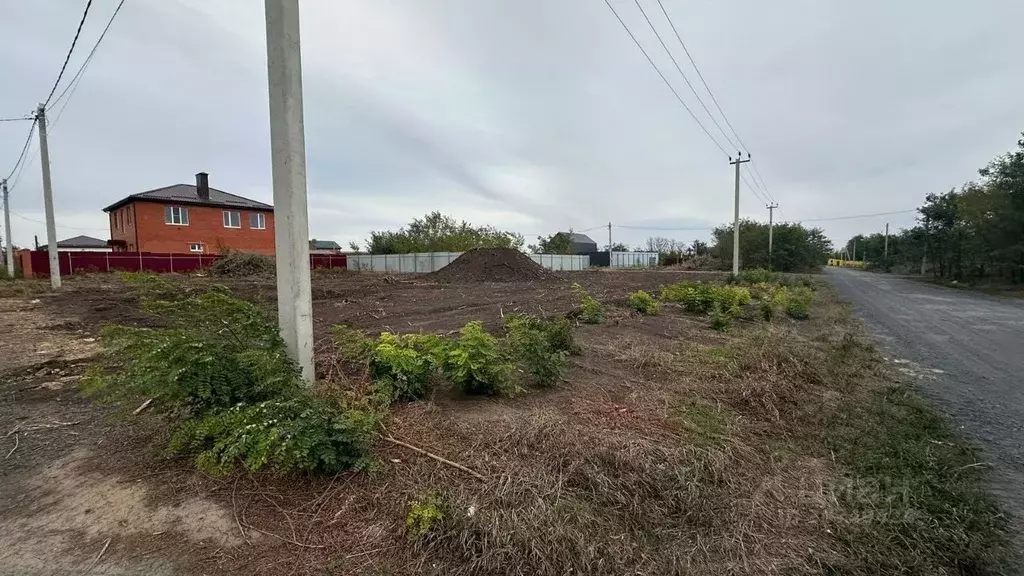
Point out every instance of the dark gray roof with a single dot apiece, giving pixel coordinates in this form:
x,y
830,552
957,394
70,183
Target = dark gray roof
x,y
324,245
186,194
579,238
82,242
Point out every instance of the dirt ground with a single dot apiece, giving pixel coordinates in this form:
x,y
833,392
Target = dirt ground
x,y
86,489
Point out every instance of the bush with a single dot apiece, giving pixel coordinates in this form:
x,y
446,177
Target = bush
x,y
301,433
701,297
798,302
243,265
531,343
757,276
643,303
720,320
590,310
402,366
476,365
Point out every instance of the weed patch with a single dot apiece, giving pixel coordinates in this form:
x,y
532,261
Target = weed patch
x,y
643,303
590,310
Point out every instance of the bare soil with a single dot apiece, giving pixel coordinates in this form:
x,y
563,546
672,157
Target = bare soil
x,y
491,265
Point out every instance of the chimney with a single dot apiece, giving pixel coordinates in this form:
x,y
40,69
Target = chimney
x,y
203,186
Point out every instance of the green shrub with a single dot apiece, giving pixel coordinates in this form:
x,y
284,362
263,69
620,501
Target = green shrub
x,y
476,365
590,310
720,320
757,276
424,514
300,433
798,302
701,297
643,303
531,344
402,366
351,344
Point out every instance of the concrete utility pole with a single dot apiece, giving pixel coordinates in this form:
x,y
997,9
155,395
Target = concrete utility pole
x,y
609,239
886,241
7,232
771,228
51,226
736,214
288,157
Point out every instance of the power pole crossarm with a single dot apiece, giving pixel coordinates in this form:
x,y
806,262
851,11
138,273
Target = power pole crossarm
x,y
736,215
51,226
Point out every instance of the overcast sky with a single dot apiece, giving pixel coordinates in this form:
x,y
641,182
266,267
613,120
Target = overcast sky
x,y
530,115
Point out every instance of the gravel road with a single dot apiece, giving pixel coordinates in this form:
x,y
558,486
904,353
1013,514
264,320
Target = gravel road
x,y
968,350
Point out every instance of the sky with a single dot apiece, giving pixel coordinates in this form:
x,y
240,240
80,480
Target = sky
x,y
533,116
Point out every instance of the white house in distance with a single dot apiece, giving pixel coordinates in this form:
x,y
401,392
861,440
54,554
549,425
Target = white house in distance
x,y
83,244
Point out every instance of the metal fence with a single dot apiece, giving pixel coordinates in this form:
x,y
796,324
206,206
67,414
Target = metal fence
x,y
36,263
633,260
424,262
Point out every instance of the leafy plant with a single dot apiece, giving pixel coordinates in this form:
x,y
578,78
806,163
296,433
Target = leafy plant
x,y
531,343
476,365
701,297
402,365
643,303
300,433
757,276
423,514
351,344
591,311
798,303
720,320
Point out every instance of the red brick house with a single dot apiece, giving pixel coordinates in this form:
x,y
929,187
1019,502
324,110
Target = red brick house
x,y
185,218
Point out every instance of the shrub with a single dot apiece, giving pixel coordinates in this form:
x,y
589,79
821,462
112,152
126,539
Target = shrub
x,y
720,320
423,514
243,265
351,344
590,310
530,342
402,366
476,365
301,433
799,302
701,297
757,276
643,303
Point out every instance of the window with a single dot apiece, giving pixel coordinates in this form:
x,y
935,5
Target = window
x,y
117,220
257,221
177,215
128,213
195,247
232,219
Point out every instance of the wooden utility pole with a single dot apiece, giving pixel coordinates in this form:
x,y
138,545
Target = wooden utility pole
x,y
771,226
736,214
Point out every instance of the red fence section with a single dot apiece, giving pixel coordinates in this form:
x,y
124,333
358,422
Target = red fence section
x,y
36,263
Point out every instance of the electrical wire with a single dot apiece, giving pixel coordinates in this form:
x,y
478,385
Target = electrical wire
x,y
663,78
67,58
24,150
61,227
856,216
681,73
16,119
72,86
753,190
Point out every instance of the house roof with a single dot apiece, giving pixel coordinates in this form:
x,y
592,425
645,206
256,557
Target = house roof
x,y
324,245
579,238
186,194
82,242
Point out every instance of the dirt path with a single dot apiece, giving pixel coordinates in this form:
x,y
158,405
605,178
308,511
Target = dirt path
x,y
968,351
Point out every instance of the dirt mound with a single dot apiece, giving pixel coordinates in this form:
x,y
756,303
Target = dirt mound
x,y
492,265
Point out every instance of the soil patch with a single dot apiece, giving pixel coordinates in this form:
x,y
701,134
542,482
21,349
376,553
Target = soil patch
x,y
492,265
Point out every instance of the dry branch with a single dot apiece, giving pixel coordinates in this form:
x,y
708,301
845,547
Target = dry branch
x,y
12,449
98,556
436,457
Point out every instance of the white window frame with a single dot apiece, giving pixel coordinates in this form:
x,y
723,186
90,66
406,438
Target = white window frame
x,y
261,221
192,247
226,218
180,211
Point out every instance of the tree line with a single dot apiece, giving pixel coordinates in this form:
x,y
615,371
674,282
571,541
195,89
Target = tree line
x,y
974,233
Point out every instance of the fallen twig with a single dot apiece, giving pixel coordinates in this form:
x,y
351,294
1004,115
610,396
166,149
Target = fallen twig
x,y
12,449
282,538
436,457
234,510
143,406
15,429
98,556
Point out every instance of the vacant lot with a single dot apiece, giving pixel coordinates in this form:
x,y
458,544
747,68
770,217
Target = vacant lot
x,y
782,447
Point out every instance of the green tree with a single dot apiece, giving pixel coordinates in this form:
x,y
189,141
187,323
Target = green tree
x,y
438,232
554,244
795,248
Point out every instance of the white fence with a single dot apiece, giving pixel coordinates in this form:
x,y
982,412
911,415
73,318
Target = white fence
x,y
423,262
633,260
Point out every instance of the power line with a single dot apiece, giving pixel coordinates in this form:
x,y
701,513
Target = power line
x,y
70,51
24,150
754,190
81,70
663,79
62,227
17,119
685,79
856,216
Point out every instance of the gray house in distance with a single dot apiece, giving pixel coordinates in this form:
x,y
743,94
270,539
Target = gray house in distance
x,y
579,243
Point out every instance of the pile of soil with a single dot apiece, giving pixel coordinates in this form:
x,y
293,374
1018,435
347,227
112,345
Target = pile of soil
x,y
492,265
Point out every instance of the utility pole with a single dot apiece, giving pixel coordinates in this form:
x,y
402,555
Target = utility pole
x,y
854,249
288,159
736,214
7,232
51,226
771,226
609,239
887,242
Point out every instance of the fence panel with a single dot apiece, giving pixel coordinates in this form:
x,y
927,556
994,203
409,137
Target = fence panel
x,y
633,260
